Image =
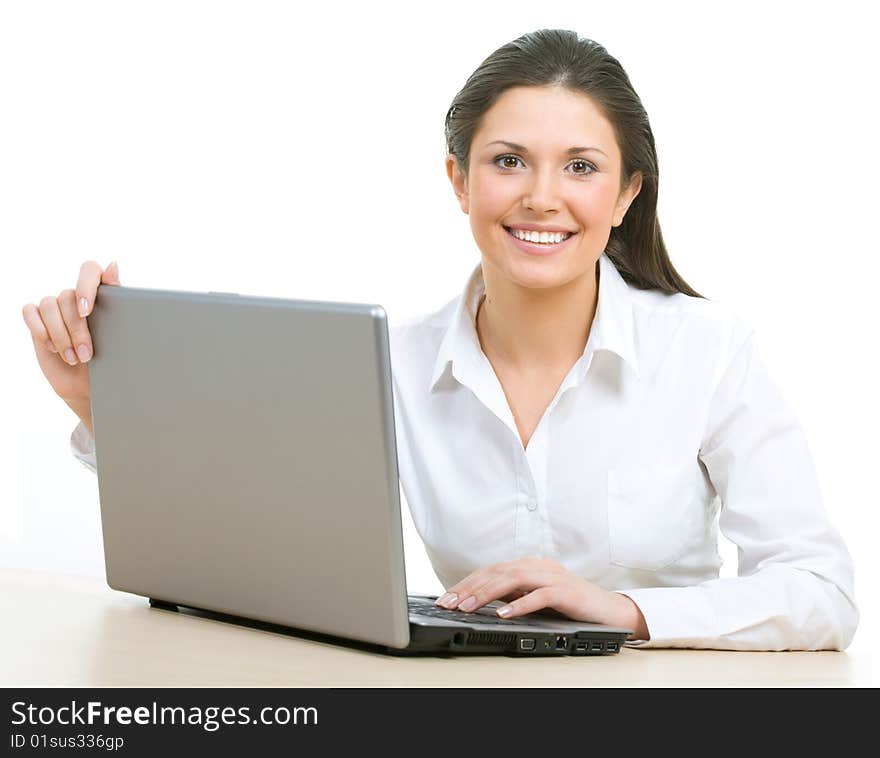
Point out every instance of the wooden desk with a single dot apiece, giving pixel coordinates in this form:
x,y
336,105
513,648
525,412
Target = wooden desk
x,y
75,631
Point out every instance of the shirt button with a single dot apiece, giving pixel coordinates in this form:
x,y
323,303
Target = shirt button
x,y
531,505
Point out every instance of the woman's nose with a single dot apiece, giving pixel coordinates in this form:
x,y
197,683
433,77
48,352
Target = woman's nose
x,y
542,193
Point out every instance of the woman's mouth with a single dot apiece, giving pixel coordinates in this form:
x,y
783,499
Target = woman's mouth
x,y
555,241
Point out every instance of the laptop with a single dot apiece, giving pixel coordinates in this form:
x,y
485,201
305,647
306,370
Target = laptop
x,y
247,468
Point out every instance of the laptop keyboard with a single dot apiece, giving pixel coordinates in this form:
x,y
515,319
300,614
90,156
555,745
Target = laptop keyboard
x,y
425,607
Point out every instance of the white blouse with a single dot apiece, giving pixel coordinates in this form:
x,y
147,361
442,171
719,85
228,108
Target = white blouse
x,y
665,429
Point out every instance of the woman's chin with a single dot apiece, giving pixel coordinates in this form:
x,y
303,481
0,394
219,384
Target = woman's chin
x,y
537,274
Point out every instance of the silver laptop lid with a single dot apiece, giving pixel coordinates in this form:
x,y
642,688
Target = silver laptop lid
x,y
246,458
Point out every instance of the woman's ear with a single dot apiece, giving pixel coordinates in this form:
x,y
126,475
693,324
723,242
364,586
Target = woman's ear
x,y
625,200
458,179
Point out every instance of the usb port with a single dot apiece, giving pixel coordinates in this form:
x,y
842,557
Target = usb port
x,y
596,647
526,643
611,647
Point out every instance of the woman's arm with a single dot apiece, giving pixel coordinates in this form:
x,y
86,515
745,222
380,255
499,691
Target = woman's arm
x,y
794,589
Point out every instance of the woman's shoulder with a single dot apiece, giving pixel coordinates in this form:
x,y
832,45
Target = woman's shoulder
x,y
702,329
679,309
419,324
415,341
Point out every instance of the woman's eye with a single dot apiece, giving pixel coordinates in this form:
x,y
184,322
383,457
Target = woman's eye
x,y
585,165
506,158
587,168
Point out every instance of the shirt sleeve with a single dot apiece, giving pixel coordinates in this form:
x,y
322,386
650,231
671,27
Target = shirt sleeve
x,y
82,445
794,585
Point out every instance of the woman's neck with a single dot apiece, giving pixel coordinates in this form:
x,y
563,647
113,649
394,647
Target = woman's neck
x,y
530,329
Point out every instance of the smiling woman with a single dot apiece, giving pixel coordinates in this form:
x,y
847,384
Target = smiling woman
x,y
576,117
576,425
623,467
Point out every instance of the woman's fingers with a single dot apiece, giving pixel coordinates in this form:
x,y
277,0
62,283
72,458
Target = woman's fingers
x,y
459,591
536,600
39,333
503,584
76,326
59,323
50,313
87,286
111,275
90,276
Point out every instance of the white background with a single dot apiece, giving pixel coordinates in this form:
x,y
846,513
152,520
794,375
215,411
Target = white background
x,y
296,150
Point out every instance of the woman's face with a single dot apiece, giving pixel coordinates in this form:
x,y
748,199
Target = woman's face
x,y
540,183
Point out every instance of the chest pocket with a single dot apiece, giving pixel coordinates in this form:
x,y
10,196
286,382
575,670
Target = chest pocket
x,y
654,512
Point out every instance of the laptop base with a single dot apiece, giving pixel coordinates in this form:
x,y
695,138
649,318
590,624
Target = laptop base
x,y
515,643
438,640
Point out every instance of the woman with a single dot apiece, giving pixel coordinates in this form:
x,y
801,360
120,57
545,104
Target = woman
x,y
570,427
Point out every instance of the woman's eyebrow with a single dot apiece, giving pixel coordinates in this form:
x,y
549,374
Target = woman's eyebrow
x,y
524,149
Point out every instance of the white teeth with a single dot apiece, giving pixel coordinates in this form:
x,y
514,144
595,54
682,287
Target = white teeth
x,y
551,238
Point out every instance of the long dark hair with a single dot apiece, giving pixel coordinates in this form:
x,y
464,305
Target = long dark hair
x,y
558,57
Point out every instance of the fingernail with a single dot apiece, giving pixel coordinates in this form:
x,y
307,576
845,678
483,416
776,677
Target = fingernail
x,y
83,352
505,610
83,306
447,598
468,604
70,356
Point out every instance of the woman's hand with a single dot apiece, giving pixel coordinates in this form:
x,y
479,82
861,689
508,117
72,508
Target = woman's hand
x,y
531,584
61,336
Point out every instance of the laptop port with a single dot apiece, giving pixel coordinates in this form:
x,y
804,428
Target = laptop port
x,y
561,643
527,643
581,647
611,647
596,647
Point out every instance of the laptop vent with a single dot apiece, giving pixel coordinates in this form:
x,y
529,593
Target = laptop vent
x,y
491,638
